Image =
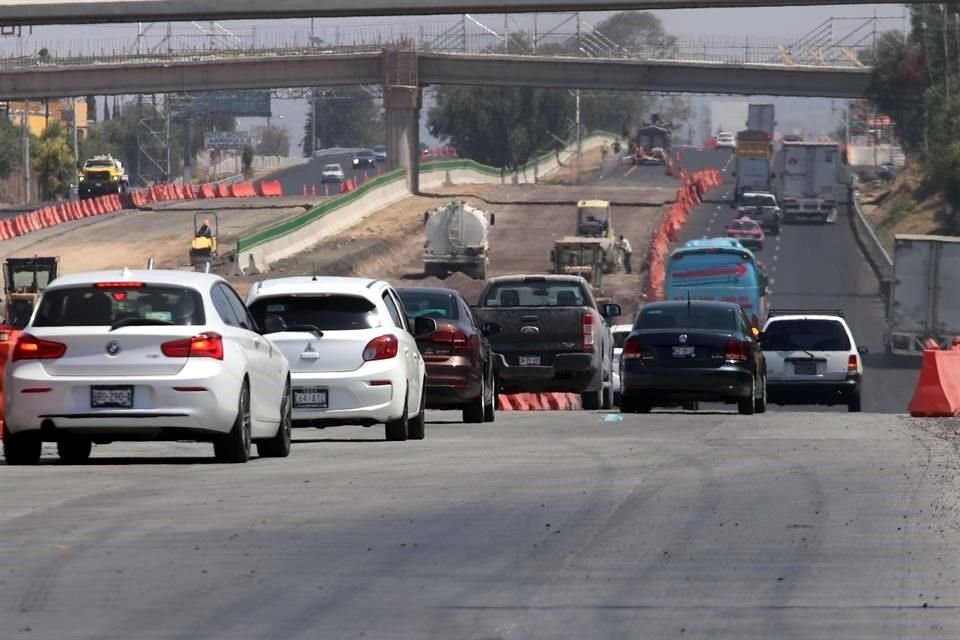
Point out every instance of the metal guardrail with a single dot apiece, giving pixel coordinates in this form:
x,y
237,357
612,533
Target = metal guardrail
x,y
870,244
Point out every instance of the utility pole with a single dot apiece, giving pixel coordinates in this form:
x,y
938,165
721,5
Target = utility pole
x,y
26,151
579,133
76,143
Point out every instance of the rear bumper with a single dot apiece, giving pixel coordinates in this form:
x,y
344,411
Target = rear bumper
x,y
352,396
724,383
812,392
454,382
98,188
570,373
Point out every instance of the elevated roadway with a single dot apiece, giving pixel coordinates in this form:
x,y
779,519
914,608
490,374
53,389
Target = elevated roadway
x,y
212,72
34,12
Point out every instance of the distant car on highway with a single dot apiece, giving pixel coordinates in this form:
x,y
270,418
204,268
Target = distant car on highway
x,y
691,351
553,336
144,355
748,232
352,352
332,173
812,358
761,207
792,137
458,357
364,158
726,140
620,333
380,153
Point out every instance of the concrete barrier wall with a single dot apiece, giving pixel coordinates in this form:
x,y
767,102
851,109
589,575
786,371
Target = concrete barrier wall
x,y
260,249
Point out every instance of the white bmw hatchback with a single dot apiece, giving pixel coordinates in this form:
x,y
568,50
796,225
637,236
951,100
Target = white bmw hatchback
x,y
144,355
352,351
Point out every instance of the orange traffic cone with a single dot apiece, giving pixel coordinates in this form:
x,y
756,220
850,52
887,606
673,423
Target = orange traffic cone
x,y
304,191
314,190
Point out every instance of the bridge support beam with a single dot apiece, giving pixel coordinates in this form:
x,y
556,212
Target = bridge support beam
x,y
402,99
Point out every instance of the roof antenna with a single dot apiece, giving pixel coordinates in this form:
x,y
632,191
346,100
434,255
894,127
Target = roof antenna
x,y
314,279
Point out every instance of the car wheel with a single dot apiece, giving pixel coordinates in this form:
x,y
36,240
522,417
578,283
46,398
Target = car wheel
x,y
234,447
21,448
396,430
416,427
74,450
279,445
607,397
473,410
746,406
490,411
592,400
853,404
760,404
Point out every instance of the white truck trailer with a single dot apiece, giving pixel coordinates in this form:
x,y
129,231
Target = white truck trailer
x,y
457,240
924,298
808,178
760,117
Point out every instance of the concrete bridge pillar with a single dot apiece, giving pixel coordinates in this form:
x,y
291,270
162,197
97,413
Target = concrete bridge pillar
x,y
402,99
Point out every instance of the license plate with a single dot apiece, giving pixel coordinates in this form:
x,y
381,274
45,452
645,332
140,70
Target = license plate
x,y
683,352
310,398
805,368
529,361
111,397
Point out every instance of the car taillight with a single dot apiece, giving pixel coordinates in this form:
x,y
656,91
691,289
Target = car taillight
x,y
588,322
204,345
633,350
852,364
735,350
452,336
381,348
30,348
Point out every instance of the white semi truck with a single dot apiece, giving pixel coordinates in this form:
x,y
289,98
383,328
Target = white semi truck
x,y
808,178
924,298
457,240
761,117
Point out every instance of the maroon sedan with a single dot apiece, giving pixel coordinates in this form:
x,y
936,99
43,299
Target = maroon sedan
x,y
748,232
458,357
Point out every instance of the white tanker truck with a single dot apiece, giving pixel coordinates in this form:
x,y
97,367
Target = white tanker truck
x,y
457,240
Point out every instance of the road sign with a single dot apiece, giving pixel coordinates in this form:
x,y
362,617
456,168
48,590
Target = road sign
x,y
226,139
235,103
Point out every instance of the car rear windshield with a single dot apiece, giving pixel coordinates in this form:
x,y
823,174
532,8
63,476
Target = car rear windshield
x,y
758,201
332,167
93,306
440,306
743,225
326,313
534,294
806,335
684,316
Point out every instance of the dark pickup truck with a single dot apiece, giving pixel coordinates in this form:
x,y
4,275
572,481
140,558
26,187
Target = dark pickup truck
x,y
552,336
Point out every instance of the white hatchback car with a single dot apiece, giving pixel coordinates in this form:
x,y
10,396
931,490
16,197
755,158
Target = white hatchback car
x,y
726,140
620,333
352,352
332,173
144,355
812,358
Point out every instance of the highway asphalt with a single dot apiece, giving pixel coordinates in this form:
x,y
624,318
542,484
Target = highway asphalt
x,y
293,179
562,525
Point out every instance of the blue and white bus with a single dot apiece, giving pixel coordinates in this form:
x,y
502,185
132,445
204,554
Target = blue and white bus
x,y
718,269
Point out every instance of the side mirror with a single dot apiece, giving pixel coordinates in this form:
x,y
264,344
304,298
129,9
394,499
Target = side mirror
x,y
862,350
491,329
423,326
493,219
611,310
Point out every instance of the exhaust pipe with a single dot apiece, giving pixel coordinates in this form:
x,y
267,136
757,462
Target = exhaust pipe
x,y
149,264
206,267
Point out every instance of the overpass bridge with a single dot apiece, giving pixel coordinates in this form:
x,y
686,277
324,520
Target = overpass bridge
x,y
37,12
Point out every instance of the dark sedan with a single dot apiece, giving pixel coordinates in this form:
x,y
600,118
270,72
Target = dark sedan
x,y
364,158
458,356
694,350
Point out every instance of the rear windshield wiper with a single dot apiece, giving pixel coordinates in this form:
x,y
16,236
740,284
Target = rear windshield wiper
x,y
140,322
308,328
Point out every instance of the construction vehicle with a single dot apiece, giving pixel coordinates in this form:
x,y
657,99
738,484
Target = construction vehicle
x,y
652,144
203,247
589,258
24,279
457,240
102,175
594,219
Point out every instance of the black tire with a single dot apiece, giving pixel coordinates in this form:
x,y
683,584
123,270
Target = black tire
x,y
279,445
490,411
746,406
473,411
74,450
234,447
417,426
21,448
607,397
592,400
396,430
760,404
853,403
617,398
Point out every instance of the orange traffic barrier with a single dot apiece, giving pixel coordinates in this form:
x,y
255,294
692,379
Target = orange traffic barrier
x,y
207,191
271,188
242,190
538,402
937,394
222,191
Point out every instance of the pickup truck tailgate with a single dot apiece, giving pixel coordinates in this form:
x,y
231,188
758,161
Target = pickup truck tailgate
x,y
535,333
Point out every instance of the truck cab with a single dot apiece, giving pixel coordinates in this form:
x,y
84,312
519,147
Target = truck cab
x,y
102,175
593,219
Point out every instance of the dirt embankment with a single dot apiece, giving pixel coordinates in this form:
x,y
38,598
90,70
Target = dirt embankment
x,y
908,205
389,244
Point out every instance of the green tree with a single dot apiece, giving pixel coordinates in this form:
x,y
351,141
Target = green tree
x,y
247,160
346,117
11,148
53,161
